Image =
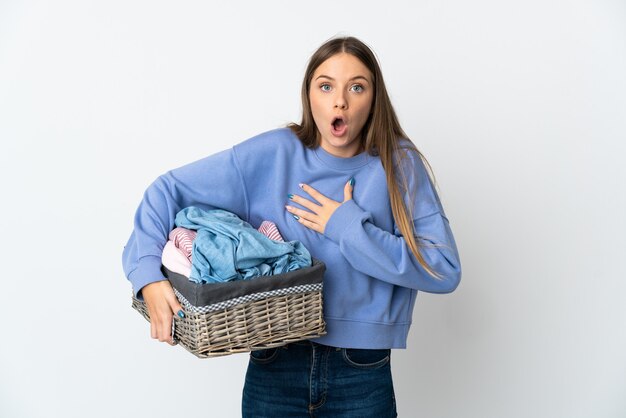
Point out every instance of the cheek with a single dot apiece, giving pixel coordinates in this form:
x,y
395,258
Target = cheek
x,y
318,110
314,103
364,112
315,110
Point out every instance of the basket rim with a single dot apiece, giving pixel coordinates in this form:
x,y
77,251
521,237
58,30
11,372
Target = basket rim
x,y
205,294
294,290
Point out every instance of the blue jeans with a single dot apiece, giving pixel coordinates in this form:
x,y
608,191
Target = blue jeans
x,y
307,379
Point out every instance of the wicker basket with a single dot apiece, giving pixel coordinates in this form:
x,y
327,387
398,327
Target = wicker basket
x,y
246,315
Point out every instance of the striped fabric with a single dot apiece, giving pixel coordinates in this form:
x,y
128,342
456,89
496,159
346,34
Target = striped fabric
x,y
183,240
175,259
270,230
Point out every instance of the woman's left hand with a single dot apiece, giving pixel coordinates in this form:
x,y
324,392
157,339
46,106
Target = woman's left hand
x,y
317,219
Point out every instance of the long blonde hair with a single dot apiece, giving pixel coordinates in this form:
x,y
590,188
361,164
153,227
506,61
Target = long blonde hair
x,y
382,136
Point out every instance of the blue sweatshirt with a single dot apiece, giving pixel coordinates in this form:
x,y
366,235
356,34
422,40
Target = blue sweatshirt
x,y
372,277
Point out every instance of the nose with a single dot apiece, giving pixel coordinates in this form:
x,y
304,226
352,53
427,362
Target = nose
x,y
340,101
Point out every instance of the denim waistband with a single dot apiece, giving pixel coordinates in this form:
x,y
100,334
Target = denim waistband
x,y
311,344
308,343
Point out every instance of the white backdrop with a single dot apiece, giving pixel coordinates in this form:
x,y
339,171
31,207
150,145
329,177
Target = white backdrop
x,y
519,106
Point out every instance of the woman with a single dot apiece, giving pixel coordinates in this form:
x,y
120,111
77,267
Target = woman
x,y
359,198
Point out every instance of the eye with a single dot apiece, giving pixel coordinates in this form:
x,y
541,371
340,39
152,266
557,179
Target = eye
x,y
323,87
358,88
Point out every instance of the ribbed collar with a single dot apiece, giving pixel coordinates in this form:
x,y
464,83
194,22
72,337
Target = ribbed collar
x,y
340,163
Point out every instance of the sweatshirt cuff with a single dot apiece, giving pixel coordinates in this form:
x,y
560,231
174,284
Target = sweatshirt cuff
x,y
341,219
148,271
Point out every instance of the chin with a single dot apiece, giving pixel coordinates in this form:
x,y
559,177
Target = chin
x,y
344,140
340,142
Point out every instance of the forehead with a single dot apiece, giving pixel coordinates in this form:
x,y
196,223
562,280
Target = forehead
x,y
341,66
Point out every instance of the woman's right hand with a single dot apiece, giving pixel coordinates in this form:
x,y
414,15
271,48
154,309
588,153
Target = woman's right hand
x,y
162,305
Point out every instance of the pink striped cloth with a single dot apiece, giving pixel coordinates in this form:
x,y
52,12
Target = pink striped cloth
x,y
183,240
175,259
270,230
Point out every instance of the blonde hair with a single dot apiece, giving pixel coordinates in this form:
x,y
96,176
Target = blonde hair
x,y
382,136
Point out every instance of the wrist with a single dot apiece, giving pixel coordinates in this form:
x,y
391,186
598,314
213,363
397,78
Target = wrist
x,y
341,219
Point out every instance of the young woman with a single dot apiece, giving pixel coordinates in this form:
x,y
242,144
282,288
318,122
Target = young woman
x,y
349,184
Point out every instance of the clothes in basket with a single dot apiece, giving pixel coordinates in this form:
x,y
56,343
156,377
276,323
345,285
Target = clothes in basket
x,y
226,248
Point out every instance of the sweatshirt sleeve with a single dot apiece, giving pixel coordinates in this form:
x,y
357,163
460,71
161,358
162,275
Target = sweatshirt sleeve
x,y
214,182
386,256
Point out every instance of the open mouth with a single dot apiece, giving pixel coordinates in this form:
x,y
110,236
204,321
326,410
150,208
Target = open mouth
x,y
338,126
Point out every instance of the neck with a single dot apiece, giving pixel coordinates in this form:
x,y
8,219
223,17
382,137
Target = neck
x,y
354,149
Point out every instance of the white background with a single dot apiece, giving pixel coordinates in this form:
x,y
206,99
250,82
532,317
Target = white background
x,y
520,107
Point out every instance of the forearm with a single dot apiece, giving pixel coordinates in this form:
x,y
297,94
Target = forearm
x,y
385,256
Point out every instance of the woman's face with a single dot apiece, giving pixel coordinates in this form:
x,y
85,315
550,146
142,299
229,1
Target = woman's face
x,y
341,95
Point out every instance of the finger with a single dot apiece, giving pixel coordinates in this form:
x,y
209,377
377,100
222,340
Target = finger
x,y
302,201
152,330
314,193
347,190
177,310
174,310
153,327
301,213
152,316
311,225
165,328
162,322
176,307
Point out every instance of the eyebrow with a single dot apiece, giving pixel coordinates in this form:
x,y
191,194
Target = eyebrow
x,y
353,78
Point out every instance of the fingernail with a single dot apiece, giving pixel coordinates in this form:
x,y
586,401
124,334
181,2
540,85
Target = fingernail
x,y
301,185
352,181
296,217
290,196
181,314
